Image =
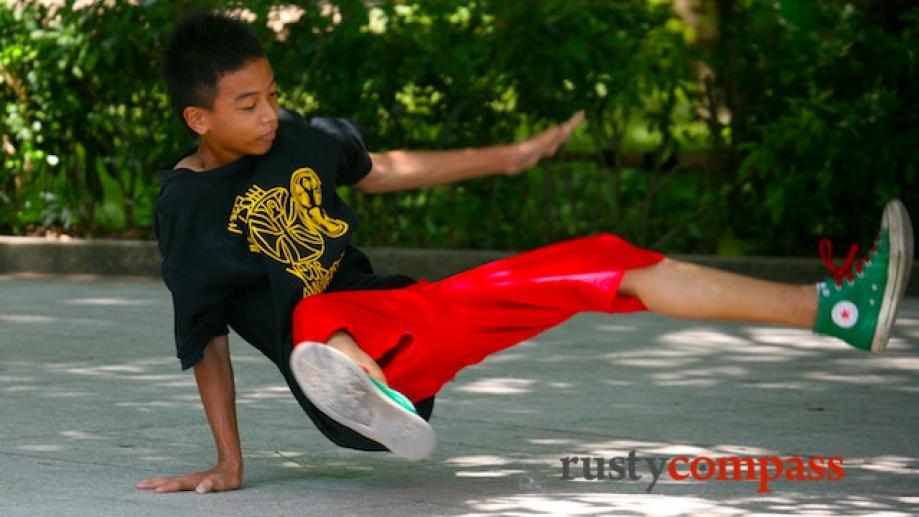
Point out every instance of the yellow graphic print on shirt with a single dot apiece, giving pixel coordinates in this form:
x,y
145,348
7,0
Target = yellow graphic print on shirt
x,y
290,227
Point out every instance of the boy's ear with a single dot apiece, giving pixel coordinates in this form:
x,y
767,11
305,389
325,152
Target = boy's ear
x,y
197,119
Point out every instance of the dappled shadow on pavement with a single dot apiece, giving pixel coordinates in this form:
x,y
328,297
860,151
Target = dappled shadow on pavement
x,y
94,401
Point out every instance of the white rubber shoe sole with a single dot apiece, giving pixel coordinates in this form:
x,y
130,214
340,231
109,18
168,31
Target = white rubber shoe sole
x,y
345,393
900,236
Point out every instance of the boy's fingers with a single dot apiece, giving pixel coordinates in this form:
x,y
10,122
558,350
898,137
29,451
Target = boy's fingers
x,y
169,486
559,137
175,485
571,124
576,119
205,486
151,483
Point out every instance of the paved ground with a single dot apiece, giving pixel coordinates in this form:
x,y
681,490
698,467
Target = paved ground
x,y
92,401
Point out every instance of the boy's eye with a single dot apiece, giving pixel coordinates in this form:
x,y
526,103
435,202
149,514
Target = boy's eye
x,y
249,108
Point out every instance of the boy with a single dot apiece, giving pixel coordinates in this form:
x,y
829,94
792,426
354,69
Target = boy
x,y
254,237
249,222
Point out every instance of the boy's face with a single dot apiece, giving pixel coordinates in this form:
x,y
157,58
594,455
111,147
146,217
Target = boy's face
x,y
244,115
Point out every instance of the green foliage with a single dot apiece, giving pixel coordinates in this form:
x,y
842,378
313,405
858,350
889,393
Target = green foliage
x,y
85,116
825,118
814,126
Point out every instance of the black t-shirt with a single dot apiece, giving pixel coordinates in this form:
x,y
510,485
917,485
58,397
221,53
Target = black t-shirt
x,y
275,219
244,242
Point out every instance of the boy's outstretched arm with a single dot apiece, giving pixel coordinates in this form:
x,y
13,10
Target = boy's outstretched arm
x,y
404,170
214,375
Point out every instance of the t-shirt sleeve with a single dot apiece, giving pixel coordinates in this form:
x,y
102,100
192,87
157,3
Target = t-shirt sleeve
x,y
198,305
354,160
199,317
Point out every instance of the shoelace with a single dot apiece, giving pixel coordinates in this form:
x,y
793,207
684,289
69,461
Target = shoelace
x,y
845,270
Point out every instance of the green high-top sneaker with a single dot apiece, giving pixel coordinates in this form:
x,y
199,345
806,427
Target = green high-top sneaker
x,y
860,306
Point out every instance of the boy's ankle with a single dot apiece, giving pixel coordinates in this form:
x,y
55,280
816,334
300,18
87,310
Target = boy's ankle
x,y
344,343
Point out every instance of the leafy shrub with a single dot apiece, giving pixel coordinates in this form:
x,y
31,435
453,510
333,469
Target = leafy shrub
x,y
804,124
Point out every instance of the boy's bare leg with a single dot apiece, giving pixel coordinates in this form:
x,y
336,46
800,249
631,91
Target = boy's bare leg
x,y
690,291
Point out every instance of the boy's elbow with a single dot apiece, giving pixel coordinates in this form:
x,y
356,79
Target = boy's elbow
x,y
364,187
373,182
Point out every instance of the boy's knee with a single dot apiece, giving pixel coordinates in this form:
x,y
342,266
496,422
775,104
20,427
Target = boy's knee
x,y
307,305
608,239
319,304
315,318
309,319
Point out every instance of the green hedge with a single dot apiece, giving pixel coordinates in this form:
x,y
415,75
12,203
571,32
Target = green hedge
x,y
815,126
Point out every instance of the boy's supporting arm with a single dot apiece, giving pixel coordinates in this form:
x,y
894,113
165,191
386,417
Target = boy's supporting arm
x,y
404,170
214,375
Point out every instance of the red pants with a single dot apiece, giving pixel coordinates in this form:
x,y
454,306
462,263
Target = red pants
x,y
422,335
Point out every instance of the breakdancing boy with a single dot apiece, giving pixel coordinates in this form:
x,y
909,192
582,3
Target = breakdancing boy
x,y
254,238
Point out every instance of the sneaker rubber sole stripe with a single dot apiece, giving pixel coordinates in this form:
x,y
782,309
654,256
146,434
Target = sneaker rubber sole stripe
x,y
345,393
900,238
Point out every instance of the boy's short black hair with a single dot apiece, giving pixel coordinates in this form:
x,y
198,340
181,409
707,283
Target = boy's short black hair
x,y
203,47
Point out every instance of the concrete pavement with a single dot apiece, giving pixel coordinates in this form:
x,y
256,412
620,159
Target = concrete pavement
x,y
92,400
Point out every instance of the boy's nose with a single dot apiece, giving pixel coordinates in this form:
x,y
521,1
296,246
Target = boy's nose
x,y
269,115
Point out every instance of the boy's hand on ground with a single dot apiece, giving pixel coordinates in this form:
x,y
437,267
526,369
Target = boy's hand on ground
x,y
217,479
530,151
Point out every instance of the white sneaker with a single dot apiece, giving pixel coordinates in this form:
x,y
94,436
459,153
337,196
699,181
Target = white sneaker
x,y
348,395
